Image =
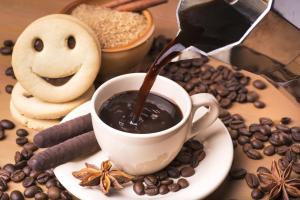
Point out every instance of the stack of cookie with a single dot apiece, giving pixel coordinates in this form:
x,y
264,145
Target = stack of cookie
x,y
56,60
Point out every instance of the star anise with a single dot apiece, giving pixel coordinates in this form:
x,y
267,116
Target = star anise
x,y
105,177
279,183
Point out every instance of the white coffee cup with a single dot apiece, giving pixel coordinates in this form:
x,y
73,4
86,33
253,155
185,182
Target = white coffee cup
x,y
140,154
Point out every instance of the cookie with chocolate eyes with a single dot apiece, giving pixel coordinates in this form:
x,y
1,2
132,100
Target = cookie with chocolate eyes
x,y
33,107
56,58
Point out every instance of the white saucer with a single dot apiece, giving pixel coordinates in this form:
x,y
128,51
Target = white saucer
x,y
209,174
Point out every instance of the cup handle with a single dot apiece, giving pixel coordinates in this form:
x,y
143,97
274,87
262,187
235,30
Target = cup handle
x,y
204,121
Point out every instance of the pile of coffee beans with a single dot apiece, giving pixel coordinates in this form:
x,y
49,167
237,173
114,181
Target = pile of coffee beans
x,y
164,181
20,172
7,47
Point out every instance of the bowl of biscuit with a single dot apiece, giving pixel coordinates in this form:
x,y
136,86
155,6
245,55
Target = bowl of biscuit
x,y
124,29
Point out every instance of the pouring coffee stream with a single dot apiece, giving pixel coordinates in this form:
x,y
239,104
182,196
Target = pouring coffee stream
x,y
223,28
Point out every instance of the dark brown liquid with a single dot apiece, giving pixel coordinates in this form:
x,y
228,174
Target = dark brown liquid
x,y
207,26
157,114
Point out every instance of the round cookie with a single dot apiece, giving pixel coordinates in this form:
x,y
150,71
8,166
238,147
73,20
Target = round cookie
x,y
57,58
33,107
37,124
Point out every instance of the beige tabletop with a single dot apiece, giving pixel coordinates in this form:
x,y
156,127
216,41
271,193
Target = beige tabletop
x,y
16,14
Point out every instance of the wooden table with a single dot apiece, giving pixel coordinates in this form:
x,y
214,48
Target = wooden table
x,y
15,15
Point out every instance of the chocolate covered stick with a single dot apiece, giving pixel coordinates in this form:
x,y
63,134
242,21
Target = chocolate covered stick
x,y
64,131
115,3
82,145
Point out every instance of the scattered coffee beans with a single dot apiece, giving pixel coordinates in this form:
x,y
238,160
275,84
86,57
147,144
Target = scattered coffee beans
x,y
257,194
7,124
41,196
31,191
252,180
54,193
9,88
22,132
259,84
16,195
239,173
21,141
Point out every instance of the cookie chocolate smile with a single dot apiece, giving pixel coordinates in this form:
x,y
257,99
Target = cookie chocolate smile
x,y
57,81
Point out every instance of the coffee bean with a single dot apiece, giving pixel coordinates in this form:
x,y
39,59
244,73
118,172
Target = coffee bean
x,y
296,136
295,129
41,196
238,173
4,196
3,185
283,128
265,130
21,164
151,191
194,144
252,96
252,180
22,132
263,170
283,163
265,121
9,168
166,181
28,181
282,150
53,182
286,120
246,147
259,104
174,187
8,43
17,176
16,195
276,139
291,156
257,194
31,191
183,183
163,189
5,175
161,175
7,124
34,174
9,89
151,180
296,148
254,154
234,134
245,132
43,178
259,84
257,144
173,172
54,193
30,146
269,150
6,50
65,195
9,71
21,141
26,154
296,167
139,188
243,140
254,128
18,157
187,171
226,103
184,157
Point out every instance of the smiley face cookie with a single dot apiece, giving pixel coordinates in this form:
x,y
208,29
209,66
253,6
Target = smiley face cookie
x,y
56,58
37,124
33,107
